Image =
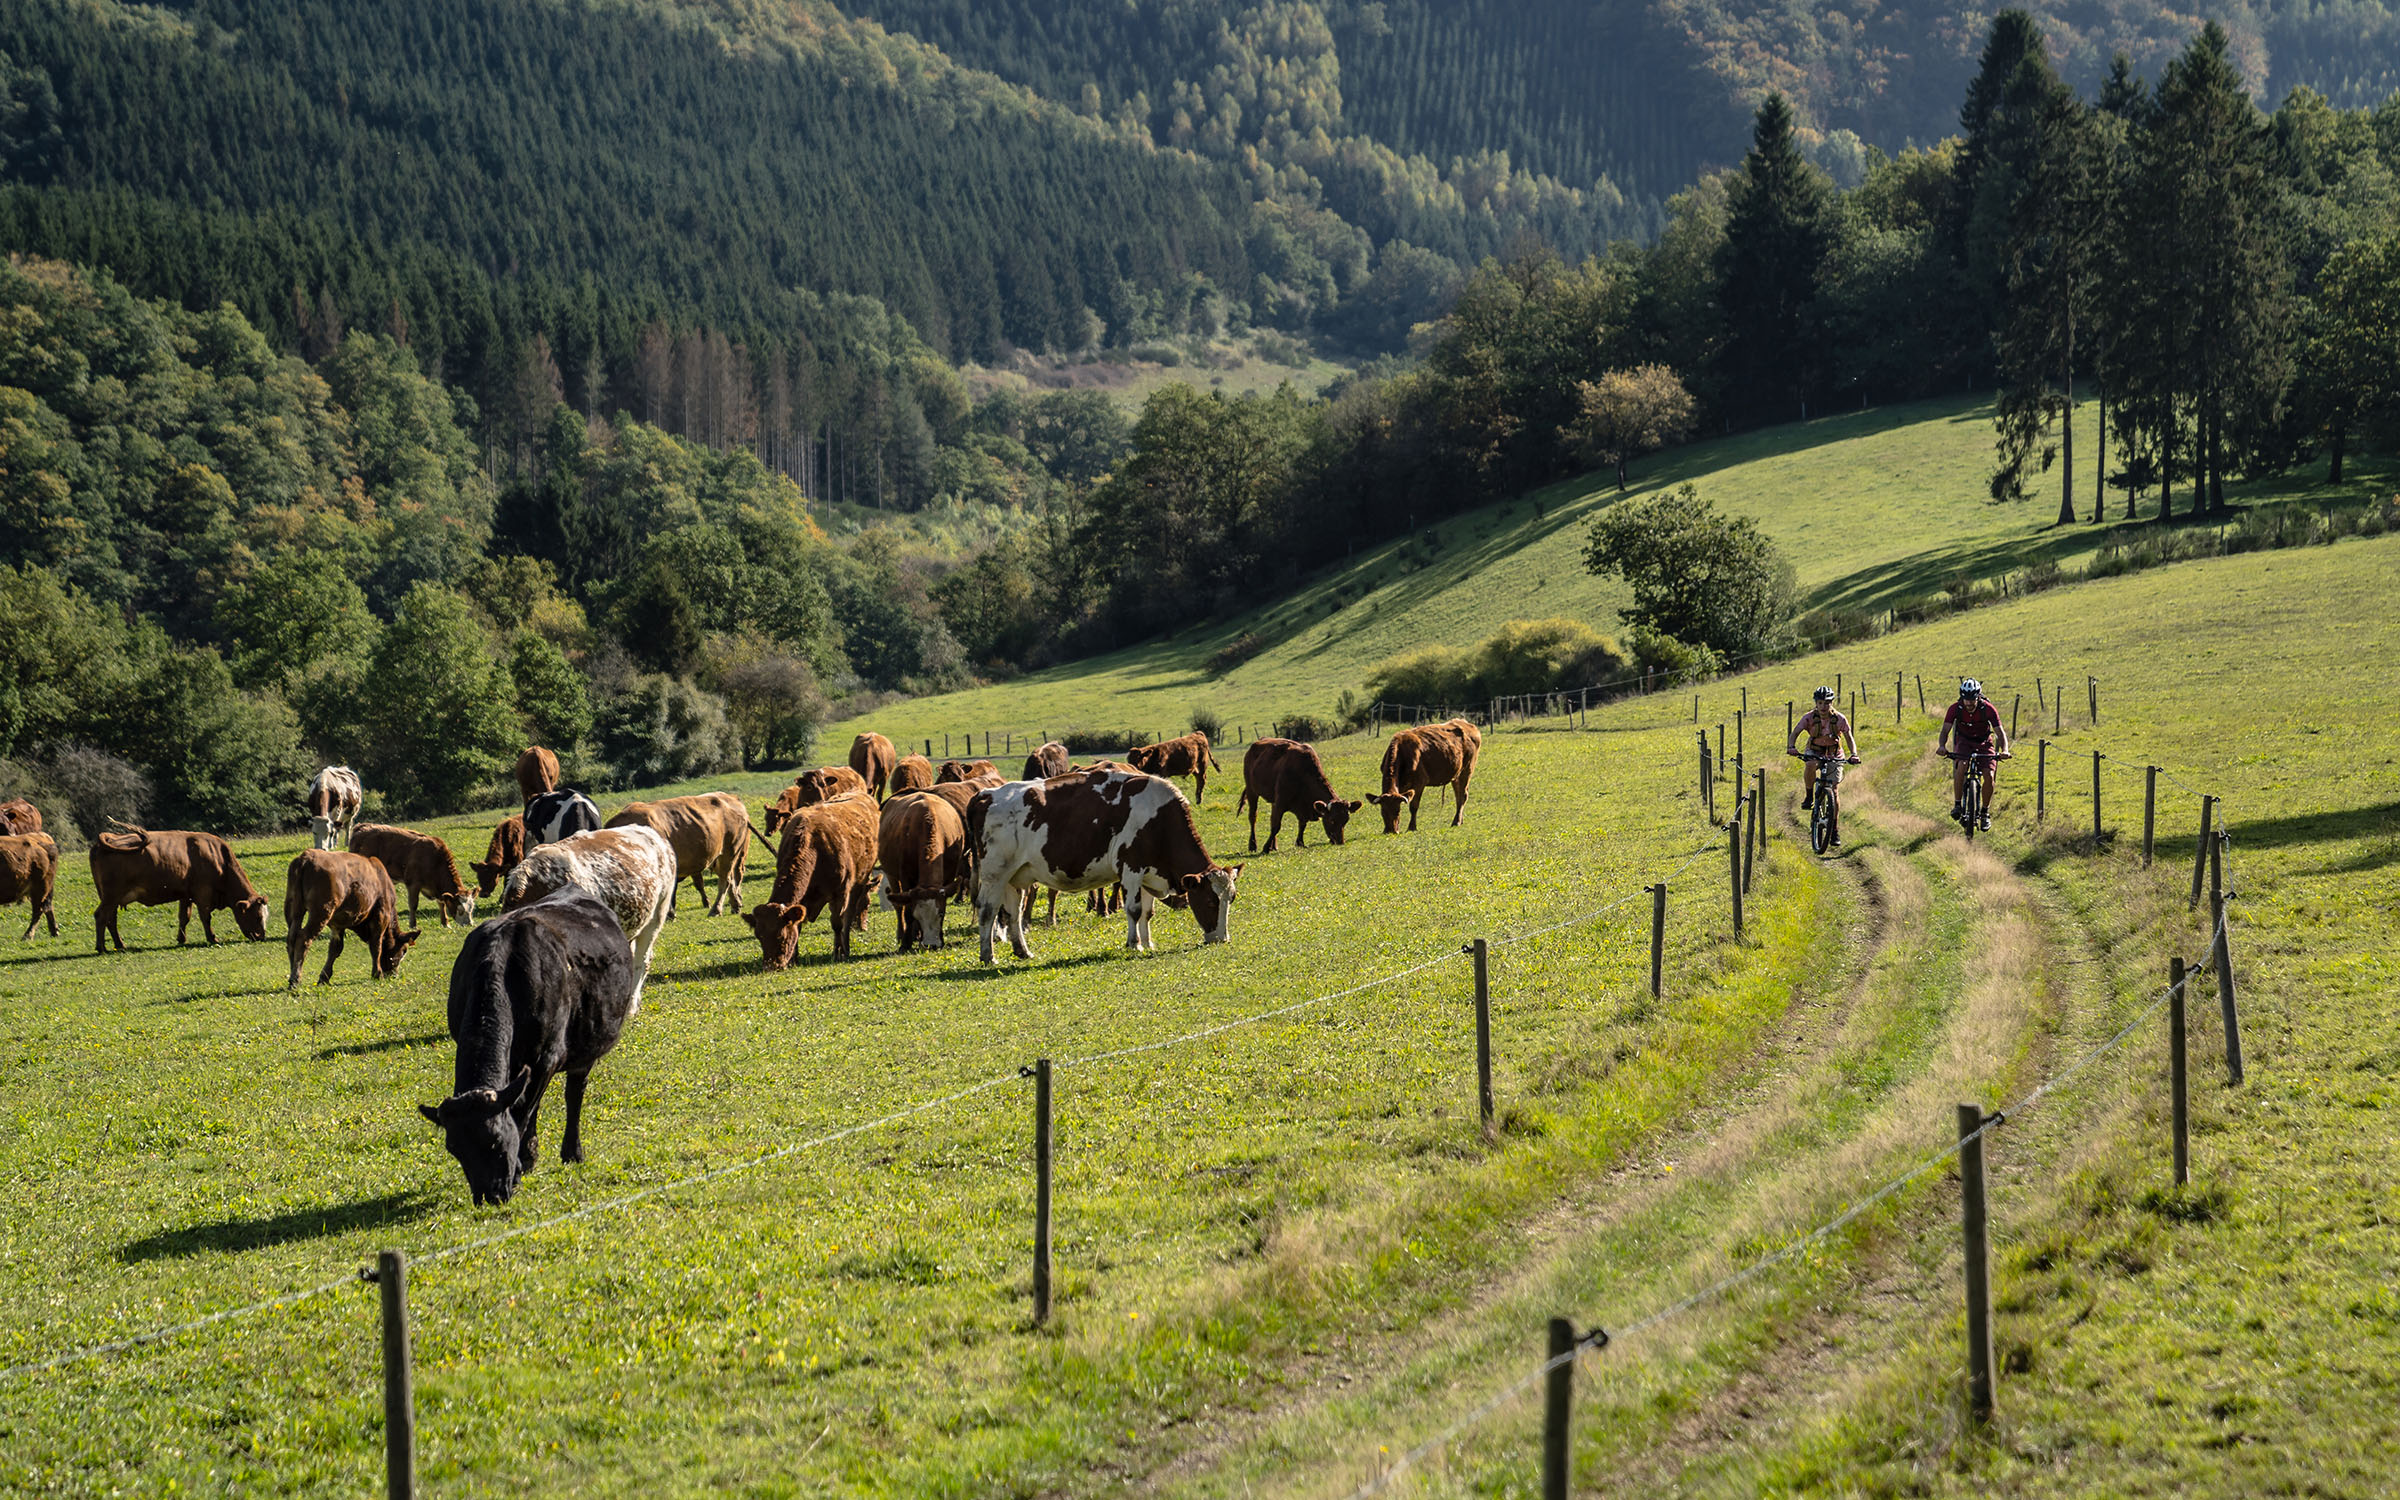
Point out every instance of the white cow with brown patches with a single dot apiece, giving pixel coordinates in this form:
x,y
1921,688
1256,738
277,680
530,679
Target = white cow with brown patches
x,y
631,870
1090,832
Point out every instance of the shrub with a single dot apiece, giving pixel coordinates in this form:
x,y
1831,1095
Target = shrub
x,y
93,786
1208,722
1099,741
771,698
550,693
1672,661
1697,575
663,729
437,709
1540,656
1431,676
1233,653
1306,728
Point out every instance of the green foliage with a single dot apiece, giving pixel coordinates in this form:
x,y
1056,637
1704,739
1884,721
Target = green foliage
x,y
772,702
1777,228
661,729
1696,575
550,693
288,614
437,713
1521,657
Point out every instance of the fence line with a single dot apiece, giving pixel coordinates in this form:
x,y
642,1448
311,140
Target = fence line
x,y
1600,1336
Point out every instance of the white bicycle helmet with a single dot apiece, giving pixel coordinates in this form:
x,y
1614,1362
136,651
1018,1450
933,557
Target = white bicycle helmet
x,y
1968,687
1824,695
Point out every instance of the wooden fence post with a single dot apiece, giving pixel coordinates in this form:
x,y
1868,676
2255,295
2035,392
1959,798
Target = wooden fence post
x,y
2092,689
1483,1032
2058,708
399,1380
2149,814
1558,1400
1733,848
2177,1093
1740,748
2208,818
1041,1191
1708,801
1787,721
2014,704
1720,765
2095,796
1899,681
1979,1261
2041,779
2222,960
1658,938
1920,692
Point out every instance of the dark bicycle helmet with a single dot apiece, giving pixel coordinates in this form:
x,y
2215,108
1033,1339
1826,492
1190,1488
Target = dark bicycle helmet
x,y
1968,687
1824,695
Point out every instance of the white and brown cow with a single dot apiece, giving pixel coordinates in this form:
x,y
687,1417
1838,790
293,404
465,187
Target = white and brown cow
x,y
710,834
631,870
333,800
1419,759
1086,833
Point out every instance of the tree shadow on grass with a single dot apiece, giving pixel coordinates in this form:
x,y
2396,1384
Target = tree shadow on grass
x,y
2316,828
235,1235
388,1044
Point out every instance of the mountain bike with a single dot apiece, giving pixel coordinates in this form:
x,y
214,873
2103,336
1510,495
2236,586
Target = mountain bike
x,y
1972,814
1825,814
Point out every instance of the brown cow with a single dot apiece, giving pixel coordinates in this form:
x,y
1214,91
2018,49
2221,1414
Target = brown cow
x,y
1418,759
1287,776
826,863
537,772
910,773
1050,760
347,892
29,873
19,816
922,845
969,770
1184,755
871,758
196,871
506,853
420,862
710,834
810,788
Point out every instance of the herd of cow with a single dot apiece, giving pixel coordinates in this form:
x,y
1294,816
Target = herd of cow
x,y
546,988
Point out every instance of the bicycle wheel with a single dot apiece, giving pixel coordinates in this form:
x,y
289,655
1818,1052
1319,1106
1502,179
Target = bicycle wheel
x,y
1973,803
1820,820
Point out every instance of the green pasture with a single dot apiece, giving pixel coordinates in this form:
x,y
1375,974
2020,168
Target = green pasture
x,y
1872,507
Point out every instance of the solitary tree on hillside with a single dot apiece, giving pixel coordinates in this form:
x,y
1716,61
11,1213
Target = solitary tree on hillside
x,y
1703,578
1626,413
1776,230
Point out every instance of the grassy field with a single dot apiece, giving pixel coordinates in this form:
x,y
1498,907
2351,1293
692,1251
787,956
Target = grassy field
x,y
1285,1254
1871,507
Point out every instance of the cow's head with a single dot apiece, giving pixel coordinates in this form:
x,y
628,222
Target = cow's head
x,y
778,929
1211,894
488,875
321,834
392,948
481,1132
775,816
459,906
251,917
1392,804
1336,816
924,907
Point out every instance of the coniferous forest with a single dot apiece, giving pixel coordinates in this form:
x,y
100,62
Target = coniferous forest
x,y
512,356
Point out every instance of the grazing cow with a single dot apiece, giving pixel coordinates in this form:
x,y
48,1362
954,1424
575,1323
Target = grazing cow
x,y
812,787
545,989
1050,760
922,844
348,893
910,773
1081,833
1184,755
420,862
1418,759
508,848
630,870
333,800
826,863
196,871
871,758
19,816
1287,776
969,770
558,815
29,873
710,834
537,772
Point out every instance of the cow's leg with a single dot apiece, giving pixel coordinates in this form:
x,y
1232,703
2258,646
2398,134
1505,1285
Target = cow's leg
x,y
207,926
1414,798
570,1146
104,922
296,938
1019,901
1199,787
36,920
529,1122
1274,827
412,908
987,917
50,909
1137,911
644,941
1050,918
1458,791
183,922
333,950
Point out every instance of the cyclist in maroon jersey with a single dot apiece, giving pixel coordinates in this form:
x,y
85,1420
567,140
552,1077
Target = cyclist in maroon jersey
x,y
1973,726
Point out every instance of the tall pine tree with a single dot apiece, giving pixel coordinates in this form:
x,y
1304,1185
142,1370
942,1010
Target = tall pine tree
x,y
1777,226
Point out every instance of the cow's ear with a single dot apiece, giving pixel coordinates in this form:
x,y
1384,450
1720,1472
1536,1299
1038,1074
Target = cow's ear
x,y
1233,872
410,936
431,1112
794,915
1354,804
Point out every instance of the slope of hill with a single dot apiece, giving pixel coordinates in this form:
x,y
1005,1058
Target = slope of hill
x,y
1873,508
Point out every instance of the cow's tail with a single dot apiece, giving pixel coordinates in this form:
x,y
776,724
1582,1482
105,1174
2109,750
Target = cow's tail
x,y
753,827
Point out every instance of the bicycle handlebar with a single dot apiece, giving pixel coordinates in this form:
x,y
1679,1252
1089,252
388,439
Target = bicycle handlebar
x,y
1976,754
1847,760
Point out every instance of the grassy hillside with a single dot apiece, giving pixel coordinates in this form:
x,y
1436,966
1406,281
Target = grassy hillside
x,y
1284,1255
1872,507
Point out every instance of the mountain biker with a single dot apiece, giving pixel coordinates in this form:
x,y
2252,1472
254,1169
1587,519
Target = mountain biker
x,y
1981,739
1828,729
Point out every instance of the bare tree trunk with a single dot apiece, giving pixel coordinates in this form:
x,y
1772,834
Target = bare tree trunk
x,y
2341,432
2100,462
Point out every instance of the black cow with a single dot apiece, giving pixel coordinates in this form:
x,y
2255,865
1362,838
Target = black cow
x,y
543,989
555,817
